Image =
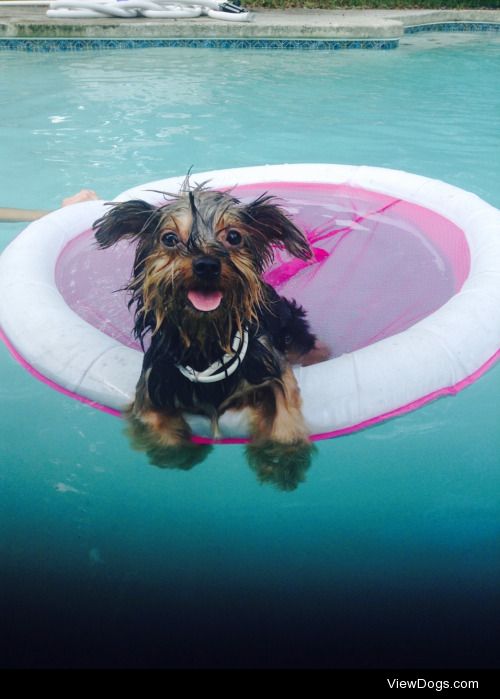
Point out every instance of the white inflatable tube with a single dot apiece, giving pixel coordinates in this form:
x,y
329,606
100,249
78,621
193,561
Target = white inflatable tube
x,y
438,355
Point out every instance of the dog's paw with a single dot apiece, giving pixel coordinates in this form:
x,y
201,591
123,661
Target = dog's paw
x,y
282,465
181,457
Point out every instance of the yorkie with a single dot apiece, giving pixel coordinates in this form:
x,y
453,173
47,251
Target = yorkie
x,y
221,338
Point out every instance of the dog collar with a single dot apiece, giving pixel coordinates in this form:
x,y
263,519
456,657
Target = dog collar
x,y
222,368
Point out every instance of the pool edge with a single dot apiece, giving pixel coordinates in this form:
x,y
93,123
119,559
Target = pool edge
x,y
29,29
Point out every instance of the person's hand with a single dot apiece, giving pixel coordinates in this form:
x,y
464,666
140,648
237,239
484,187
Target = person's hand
x,y
82,195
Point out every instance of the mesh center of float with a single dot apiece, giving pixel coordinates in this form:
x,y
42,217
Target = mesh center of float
x,y
381,265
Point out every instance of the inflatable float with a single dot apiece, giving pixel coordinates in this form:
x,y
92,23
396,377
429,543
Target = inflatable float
x,y
404,288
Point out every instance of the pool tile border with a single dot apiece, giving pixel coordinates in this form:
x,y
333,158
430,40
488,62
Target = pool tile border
x,y
453,27
44,45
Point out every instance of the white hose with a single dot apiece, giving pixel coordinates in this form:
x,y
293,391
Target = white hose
x,y
154,9
69,8
229,16
173,12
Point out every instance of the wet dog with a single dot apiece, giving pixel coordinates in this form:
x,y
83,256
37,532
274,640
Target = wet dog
x,y
220,337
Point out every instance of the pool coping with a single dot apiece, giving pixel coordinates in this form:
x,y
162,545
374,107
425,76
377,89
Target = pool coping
x,y
27,28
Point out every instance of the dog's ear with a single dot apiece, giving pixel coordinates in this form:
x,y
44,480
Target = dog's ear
x,y
274,224
127,219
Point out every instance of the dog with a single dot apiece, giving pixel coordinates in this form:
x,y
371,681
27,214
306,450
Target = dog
x,y
221,338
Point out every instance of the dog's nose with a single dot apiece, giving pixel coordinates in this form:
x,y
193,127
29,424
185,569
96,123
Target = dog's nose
x,y
206,267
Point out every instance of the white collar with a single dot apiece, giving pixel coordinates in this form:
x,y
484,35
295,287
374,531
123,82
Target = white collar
x,y
222,368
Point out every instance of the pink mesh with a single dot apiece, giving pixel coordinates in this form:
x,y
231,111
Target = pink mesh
x,y
381,265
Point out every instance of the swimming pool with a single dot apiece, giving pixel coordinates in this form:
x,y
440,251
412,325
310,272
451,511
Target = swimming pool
x,y
387,555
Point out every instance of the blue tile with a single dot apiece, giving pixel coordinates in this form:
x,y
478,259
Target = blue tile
x,y
287,44
454,27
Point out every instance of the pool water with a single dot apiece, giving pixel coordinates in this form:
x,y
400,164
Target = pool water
x,y
388,554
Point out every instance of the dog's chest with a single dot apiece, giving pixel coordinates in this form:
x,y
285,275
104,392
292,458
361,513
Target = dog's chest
x,y
169,387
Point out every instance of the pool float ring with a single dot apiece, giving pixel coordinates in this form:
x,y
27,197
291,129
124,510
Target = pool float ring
x,y
404,287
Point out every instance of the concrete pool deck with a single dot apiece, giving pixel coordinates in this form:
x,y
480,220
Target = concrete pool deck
x,y
31,22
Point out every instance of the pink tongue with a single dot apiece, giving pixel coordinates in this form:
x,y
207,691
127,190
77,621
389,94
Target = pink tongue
x,y
205,300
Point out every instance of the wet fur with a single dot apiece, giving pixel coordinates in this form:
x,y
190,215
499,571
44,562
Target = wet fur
x,y
203,221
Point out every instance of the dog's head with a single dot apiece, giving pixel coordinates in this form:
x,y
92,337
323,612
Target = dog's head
x,y
200,256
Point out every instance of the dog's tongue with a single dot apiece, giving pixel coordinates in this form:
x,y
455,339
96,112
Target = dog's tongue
x,y
205,300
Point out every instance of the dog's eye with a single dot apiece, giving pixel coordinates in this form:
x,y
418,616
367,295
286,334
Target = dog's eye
x,y
169,239
233,237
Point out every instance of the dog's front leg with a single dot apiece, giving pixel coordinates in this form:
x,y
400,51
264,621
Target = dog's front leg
x,y
161,432
165,437
167,428
281,451
287,425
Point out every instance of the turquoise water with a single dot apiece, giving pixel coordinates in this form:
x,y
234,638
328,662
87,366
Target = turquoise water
x,y
388,554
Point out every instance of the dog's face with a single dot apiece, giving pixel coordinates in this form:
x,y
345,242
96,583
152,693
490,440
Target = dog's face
x,y
200,256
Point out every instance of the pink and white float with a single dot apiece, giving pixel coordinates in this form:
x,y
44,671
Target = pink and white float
x,y
404,288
